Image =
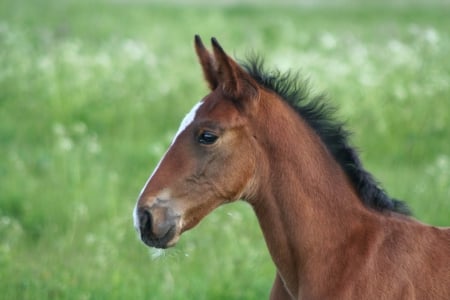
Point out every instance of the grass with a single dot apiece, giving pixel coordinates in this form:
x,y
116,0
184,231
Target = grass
x,y
92,93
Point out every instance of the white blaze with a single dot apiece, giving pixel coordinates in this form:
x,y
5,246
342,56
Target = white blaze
x,y
187,120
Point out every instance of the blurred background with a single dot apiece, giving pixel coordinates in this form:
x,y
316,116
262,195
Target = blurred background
x,y
92,92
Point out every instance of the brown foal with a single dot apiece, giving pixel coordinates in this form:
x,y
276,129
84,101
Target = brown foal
x,y
332,232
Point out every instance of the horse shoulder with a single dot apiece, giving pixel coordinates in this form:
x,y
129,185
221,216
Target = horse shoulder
x,y
417,257
395,258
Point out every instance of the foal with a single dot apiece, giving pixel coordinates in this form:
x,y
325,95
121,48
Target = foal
x,y
331,231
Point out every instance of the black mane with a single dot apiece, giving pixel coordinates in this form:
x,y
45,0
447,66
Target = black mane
x,y
319,115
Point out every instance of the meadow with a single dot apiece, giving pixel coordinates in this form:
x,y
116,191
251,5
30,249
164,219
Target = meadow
x,y
92,92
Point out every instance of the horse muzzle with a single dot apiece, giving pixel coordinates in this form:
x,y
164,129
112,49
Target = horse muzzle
x,y
158,226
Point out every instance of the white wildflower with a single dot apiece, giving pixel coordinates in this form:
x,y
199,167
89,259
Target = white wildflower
x,y
328,41
431,36
58,129
93,145
65,144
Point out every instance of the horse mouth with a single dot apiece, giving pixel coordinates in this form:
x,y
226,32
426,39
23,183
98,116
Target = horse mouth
x,y
157,226
169,239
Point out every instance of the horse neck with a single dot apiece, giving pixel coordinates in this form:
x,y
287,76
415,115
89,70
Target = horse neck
x,y
305,203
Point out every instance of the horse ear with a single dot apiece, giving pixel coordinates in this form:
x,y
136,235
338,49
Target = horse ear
x,y
207,63
235,81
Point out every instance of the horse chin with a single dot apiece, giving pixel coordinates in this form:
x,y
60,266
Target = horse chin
x,y
173,242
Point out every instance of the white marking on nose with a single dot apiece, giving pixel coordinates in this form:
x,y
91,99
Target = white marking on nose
x,y
187,120
136,219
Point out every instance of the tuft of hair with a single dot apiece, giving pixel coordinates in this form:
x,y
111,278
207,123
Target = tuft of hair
x,y
319,114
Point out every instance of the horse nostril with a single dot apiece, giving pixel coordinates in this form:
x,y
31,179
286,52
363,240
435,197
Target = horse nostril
x,y
145,220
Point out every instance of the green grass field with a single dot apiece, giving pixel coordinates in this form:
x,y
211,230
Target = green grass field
x,y
91,93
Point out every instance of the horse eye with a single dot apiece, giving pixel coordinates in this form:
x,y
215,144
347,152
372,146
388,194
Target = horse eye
x,y
207,138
